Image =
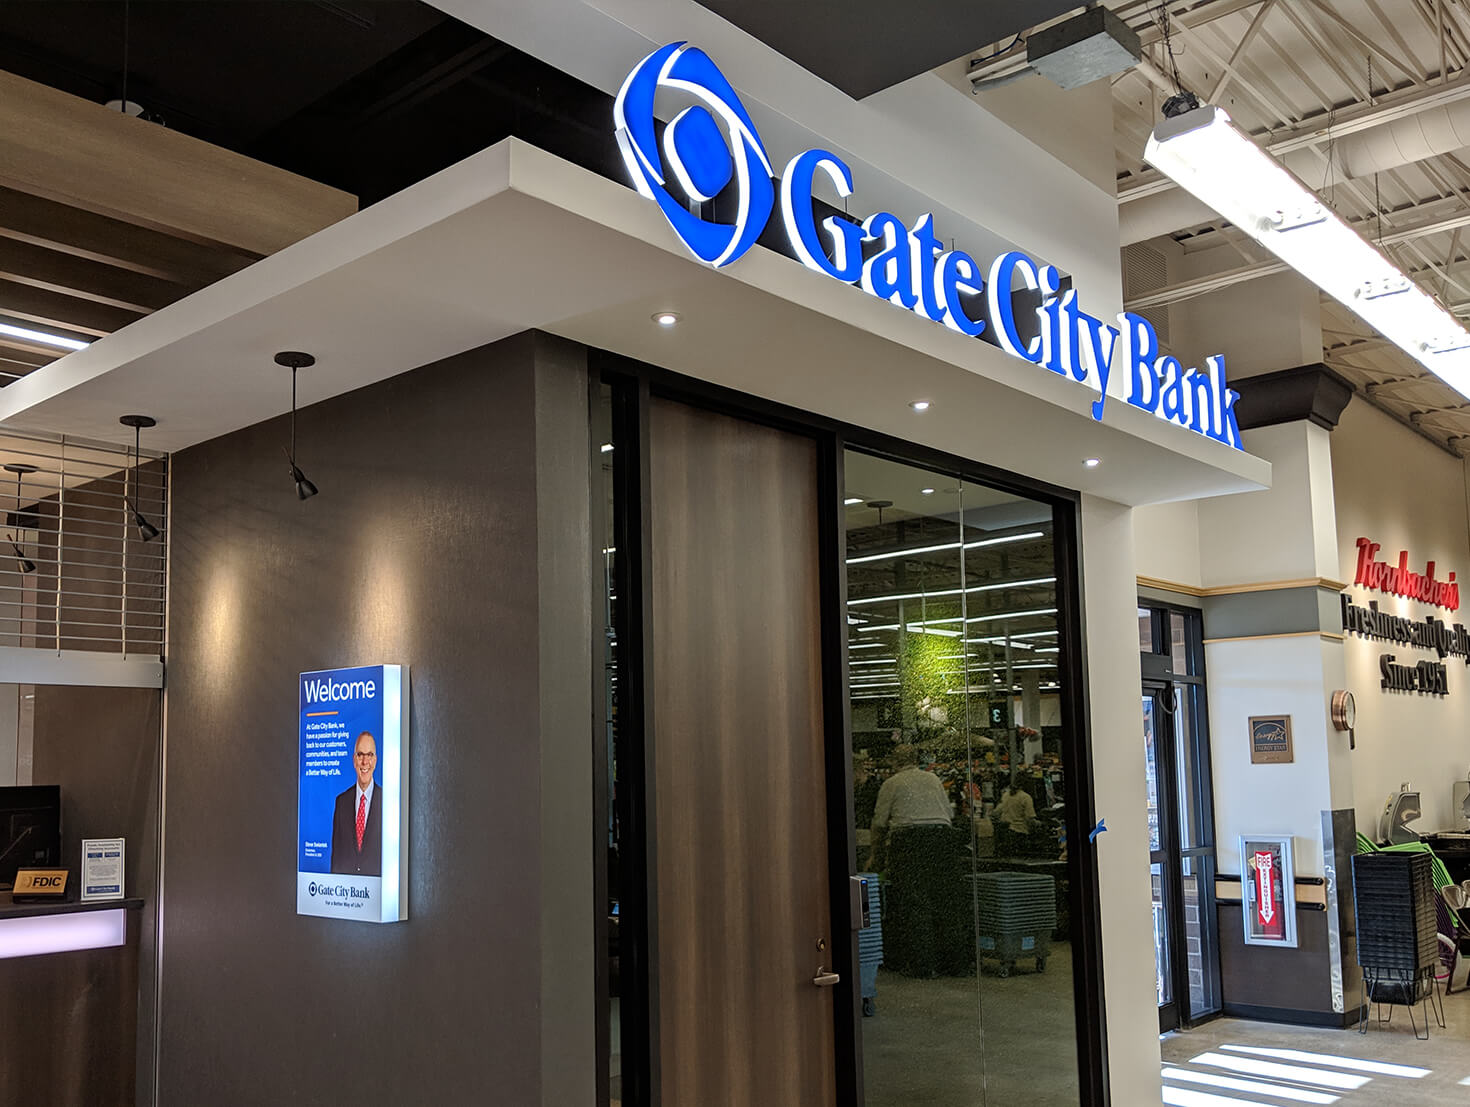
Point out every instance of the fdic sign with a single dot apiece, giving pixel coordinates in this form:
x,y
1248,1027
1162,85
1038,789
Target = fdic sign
x,y
710,149
352,794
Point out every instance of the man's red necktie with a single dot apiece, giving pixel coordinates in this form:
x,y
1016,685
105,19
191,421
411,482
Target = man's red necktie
x,y
361,818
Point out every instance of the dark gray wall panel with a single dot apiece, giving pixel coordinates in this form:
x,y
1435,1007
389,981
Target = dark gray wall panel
x,y
421,549
101,745
1279,611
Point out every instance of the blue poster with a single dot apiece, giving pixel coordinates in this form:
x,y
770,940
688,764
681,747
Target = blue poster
x,y
351,860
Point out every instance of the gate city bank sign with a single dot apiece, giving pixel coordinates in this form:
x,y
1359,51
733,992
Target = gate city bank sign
x,y
905,266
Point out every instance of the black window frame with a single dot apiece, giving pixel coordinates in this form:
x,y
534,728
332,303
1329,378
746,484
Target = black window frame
x,y
633,385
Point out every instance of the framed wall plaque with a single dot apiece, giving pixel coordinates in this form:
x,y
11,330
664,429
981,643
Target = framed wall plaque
x,y
1271,740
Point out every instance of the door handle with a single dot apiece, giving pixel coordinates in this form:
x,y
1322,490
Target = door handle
x,y
825,979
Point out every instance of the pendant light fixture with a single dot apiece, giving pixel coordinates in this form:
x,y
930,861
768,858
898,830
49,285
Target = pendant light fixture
x,y
294,360
22,562
146,530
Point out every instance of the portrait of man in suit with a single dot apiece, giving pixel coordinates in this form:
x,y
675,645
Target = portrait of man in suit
x,y
357,822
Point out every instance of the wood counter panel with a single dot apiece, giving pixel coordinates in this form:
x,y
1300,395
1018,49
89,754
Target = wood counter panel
x,y
69,1024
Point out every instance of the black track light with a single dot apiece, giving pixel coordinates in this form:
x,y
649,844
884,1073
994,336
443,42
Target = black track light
x,y
22,562
304,488
294,360
146,530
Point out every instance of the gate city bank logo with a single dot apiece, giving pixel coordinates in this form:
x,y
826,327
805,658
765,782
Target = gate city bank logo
x,y
907,267
696,150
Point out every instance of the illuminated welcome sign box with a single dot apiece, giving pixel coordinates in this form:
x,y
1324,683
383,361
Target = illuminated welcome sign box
x,y
352,756
711,149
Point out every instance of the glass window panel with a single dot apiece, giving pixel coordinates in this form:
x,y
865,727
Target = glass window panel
x,y
1022,889
1161,937
1187,706
1179,645
907,677
1145,630
1151,771
960,789
1199,876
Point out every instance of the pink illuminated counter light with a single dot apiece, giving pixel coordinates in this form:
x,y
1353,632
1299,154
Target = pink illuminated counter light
x,y
32,929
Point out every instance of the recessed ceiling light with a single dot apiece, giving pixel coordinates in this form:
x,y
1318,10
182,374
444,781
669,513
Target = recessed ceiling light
x,y
665,318
607,447
1093,462
852,500
42,336
920,405
926,491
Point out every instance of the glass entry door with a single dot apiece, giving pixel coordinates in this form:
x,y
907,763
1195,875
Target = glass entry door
x,y
1180,818
1157,740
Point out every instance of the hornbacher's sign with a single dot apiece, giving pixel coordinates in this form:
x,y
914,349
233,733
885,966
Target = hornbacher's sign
x,y
1425,634
1400,580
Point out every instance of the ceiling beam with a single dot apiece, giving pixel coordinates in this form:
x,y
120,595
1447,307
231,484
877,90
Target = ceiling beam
x,y
1365,41
1240,48
32,354
53,310
42,222
1213,282
70,275
64,148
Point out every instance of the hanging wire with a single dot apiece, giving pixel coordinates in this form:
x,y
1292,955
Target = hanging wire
x,y
1006,49
293,416
1377,201
127,27
1166,30
1329,184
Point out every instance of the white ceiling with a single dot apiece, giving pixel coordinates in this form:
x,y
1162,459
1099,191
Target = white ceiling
x,y
1283,68
513,238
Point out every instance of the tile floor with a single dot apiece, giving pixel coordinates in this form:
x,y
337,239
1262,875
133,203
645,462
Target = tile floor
x,y
1235,1063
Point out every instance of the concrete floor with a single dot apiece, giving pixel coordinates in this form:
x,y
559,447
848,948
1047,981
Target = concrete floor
x,y
924,1044
1324,1065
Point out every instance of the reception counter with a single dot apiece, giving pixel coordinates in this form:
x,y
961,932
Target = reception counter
x,y
69,1002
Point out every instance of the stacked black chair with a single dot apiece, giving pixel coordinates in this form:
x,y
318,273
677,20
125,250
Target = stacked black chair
x,y
1398,943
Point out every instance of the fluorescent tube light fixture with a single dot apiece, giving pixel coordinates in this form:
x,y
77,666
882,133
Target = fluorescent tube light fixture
x,y
44,337
1204,153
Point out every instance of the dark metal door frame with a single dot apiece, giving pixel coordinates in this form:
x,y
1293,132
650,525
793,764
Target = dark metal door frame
x,y
1172,688
633,385
1165,703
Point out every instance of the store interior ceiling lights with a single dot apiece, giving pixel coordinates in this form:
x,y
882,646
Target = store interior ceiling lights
x,y
1205,154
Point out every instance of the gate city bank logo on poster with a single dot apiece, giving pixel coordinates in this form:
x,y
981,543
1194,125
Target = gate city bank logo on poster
x,y
711,147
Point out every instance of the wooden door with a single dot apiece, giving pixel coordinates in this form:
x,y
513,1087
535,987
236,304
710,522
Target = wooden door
x,y
739,822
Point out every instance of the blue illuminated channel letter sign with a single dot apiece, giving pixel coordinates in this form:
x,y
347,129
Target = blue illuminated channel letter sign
x,y
711,148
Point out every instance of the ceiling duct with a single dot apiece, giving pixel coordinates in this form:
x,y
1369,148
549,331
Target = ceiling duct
x,y
1083,49
1426,134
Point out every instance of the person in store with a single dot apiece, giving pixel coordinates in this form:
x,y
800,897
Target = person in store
x,y
865,786
357,821
1014,816
919,851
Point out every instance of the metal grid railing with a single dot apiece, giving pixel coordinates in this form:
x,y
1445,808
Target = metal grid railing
x,y
76,570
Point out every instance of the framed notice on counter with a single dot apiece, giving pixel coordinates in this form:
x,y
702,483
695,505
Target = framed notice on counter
x,y
352,794
1268,890
103,868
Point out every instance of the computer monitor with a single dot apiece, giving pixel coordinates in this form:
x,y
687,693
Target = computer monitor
x,y
30,829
